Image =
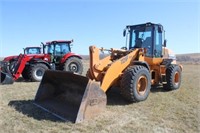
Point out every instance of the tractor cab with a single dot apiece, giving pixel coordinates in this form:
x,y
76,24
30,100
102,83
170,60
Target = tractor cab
x,y
32,50
148,36
57,50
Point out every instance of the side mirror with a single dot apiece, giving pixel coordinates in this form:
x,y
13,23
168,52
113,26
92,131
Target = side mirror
x,y
124,32
165,43
42,43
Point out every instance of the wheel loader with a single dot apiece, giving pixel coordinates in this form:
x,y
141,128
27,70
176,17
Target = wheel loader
x,y
134,69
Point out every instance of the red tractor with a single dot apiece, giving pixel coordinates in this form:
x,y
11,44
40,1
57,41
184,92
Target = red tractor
x,y
27,50
56,56
11,60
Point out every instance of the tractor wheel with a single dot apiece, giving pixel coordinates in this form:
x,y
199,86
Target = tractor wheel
x,y
135,83
25,73
73,64
173,77
36,71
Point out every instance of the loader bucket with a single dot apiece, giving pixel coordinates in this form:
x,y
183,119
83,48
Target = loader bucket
x,y
6,78
70,97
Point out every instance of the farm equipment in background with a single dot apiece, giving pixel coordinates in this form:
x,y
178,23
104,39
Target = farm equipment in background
x,y
27,51
133,69
56,56
8,64
9,61
4,77
59,53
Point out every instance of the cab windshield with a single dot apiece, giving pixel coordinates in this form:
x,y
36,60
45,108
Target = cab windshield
x,y
32,51
142,38
57,48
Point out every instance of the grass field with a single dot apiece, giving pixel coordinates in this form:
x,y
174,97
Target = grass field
x,y
173,111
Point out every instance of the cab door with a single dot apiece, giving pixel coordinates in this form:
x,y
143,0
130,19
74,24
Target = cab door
x,y
61,49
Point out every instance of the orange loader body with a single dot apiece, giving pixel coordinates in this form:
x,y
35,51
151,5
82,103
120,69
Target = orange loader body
x,y
133,70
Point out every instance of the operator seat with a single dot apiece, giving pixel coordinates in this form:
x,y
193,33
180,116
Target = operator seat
x,y
147,44
138,43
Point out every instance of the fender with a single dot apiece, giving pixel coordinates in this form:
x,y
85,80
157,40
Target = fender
x,y
9,58
143,63
68,55
35,60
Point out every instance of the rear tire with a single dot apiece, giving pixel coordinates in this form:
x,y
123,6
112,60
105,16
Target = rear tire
x,y
36,72
73,64
173,77
135,83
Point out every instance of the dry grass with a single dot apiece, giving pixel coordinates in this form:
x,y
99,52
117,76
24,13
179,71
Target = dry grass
x,y
174,111
192,58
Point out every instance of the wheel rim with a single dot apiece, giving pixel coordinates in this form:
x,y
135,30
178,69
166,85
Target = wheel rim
x,y
73,67
176,77
142,85
39,73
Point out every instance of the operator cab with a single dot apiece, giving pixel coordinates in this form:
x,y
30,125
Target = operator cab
x,y
57,49
148,36
32,50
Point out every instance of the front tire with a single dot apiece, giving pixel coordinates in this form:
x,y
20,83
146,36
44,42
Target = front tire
x,y
173,77
135,83
36,72
25,73
73,64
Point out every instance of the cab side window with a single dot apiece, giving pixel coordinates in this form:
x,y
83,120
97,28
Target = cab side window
x,y
158,44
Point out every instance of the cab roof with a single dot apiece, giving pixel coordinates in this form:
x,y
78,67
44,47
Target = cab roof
x,y
60,41
143,25
32,47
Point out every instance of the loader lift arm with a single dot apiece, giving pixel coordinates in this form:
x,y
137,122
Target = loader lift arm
x,y
14,74
19,67
109,69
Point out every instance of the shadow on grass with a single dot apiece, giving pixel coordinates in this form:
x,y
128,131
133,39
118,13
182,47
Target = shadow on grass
x,y
115,98
159,88
27,108
21,79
